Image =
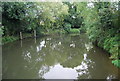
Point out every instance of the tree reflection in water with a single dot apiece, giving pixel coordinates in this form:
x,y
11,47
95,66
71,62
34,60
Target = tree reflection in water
x,y
69,57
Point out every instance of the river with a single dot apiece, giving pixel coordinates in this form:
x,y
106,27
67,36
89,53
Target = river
x,y
56,57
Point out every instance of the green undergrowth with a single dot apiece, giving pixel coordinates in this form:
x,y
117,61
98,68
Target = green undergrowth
x,y
111,44
8,39
56,31
74,30
116,63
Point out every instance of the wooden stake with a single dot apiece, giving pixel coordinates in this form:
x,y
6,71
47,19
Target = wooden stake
x,y
21,35
34,33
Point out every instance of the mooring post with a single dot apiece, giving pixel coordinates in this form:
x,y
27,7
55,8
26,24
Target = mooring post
x,y
34,33
21,35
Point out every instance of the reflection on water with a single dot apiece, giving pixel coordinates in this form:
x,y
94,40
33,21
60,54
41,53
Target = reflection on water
x,y
59,71
56,57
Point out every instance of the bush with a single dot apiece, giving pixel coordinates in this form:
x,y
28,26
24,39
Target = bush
x,y
82,30
110,44
1,33
8,39
74,30
67,27
116,63
101,25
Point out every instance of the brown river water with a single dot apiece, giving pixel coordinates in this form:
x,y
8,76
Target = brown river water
x,y
56,57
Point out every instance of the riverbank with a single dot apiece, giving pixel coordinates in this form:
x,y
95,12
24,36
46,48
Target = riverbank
x,y
114,61
8,39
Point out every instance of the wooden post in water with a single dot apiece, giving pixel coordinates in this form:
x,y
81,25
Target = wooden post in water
x,y
34,33
21,36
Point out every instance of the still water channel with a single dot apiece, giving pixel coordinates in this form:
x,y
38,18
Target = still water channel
x,y
56,57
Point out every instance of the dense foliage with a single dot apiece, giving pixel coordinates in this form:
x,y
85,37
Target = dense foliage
x,y
30,16
100,20
102,25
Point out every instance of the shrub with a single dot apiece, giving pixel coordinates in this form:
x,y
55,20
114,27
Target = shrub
x,y
8,39
74,30
116,63
67,27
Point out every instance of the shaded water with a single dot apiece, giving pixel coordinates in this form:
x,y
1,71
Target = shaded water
x,y
56,57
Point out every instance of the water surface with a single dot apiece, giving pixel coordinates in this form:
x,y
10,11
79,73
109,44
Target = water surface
x,y
56,57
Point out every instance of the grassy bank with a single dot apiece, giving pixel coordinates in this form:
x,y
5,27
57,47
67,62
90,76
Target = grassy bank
x,y
8,39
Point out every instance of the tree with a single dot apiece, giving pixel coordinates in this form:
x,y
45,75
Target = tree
x,y
33,14
101,24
